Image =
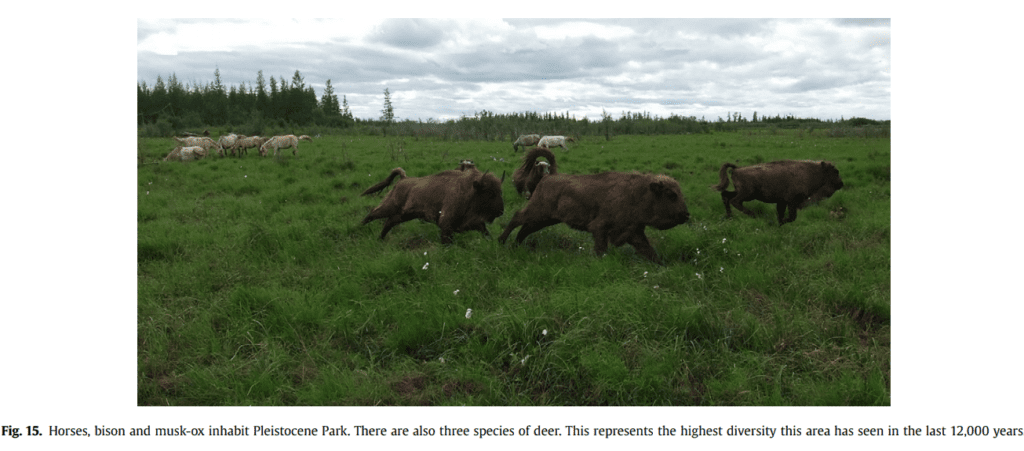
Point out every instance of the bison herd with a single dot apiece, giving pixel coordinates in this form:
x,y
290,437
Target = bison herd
x,y
612,206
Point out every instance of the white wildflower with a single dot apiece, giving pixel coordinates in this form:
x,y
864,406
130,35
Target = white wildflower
x,y
425,265
723,240
544,332
469,313
699,276
645,273
523,362
147,193
441,359
424,253
721,269
656,287
456,292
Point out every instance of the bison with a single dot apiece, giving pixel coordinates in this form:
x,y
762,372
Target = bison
x,y
613,206
456,200
525,141
785,183
526,177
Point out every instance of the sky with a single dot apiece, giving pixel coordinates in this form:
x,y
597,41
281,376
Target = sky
x,y
445,68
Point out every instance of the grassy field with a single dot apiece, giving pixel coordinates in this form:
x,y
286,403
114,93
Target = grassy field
x,y
257,285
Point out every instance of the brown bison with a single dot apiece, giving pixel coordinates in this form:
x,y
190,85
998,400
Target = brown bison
x,y
613,206
525,141
526,177
786,183
455,200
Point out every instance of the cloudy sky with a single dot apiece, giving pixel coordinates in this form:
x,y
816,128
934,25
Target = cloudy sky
x,y
445,68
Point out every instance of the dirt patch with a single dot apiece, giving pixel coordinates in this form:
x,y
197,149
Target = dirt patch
x,y
411,389
461,387
417,242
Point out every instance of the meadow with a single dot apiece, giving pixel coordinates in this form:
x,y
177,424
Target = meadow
x,y
257,284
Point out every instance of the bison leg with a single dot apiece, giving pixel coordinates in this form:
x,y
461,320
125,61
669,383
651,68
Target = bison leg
x,y
737,201
643,247
446,236
483,229
780,208
517,220
726,197
390,224
600,240
531,227
509,228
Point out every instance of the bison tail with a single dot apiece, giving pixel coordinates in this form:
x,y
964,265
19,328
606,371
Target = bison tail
x,y
530,160
723,179
396,172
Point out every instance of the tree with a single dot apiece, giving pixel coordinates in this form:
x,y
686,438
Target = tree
x,y
344,108
262,101
329,101
388,113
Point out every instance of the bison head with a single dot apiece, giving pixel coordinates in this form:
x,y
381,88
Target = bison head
x,y
668,207
832,183
486,200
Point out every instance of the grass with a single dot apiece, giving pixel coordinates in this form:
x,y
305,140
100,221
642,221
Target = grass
x,y
257,285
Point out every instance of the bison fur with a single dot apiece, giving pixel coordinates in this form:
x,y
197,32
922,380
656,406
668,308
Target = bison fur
x,y
528,175
613,206
791,184
455,200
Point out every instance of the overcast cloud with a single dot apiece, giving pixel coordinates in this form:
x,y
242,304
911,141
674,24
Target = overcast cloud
x,y
444,68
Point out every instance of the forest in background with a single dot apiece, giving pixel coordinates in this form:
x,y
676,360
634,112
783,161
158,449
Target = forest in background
x,y
170,107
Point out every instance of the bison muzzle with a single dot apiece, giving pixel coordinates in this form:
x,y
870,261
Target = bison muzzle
x,y
792,184
455,200
612,206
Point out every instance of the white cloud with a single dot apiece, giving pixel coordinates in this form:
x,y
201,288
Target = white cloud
x,y
448,67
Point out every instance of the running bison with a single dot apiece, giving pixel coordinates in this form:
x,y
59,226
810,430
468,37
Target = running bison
x,y
785,183
613,206
526,177
525,141
455,200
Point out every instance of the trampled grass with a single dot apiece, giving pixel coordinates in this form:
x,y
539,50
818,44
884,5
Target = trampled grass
x,y
257,285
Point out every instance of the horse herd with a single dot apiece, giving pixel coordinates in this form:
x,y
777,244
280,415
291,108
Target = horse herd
x,y
614,207
194,147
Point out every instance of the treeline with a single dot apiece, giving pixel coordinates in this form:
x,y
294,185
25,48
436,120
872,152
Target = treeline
x,y
169,108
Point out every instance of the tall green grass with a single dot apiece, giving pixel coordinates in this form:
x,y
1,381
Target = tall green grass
x,y
258,285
